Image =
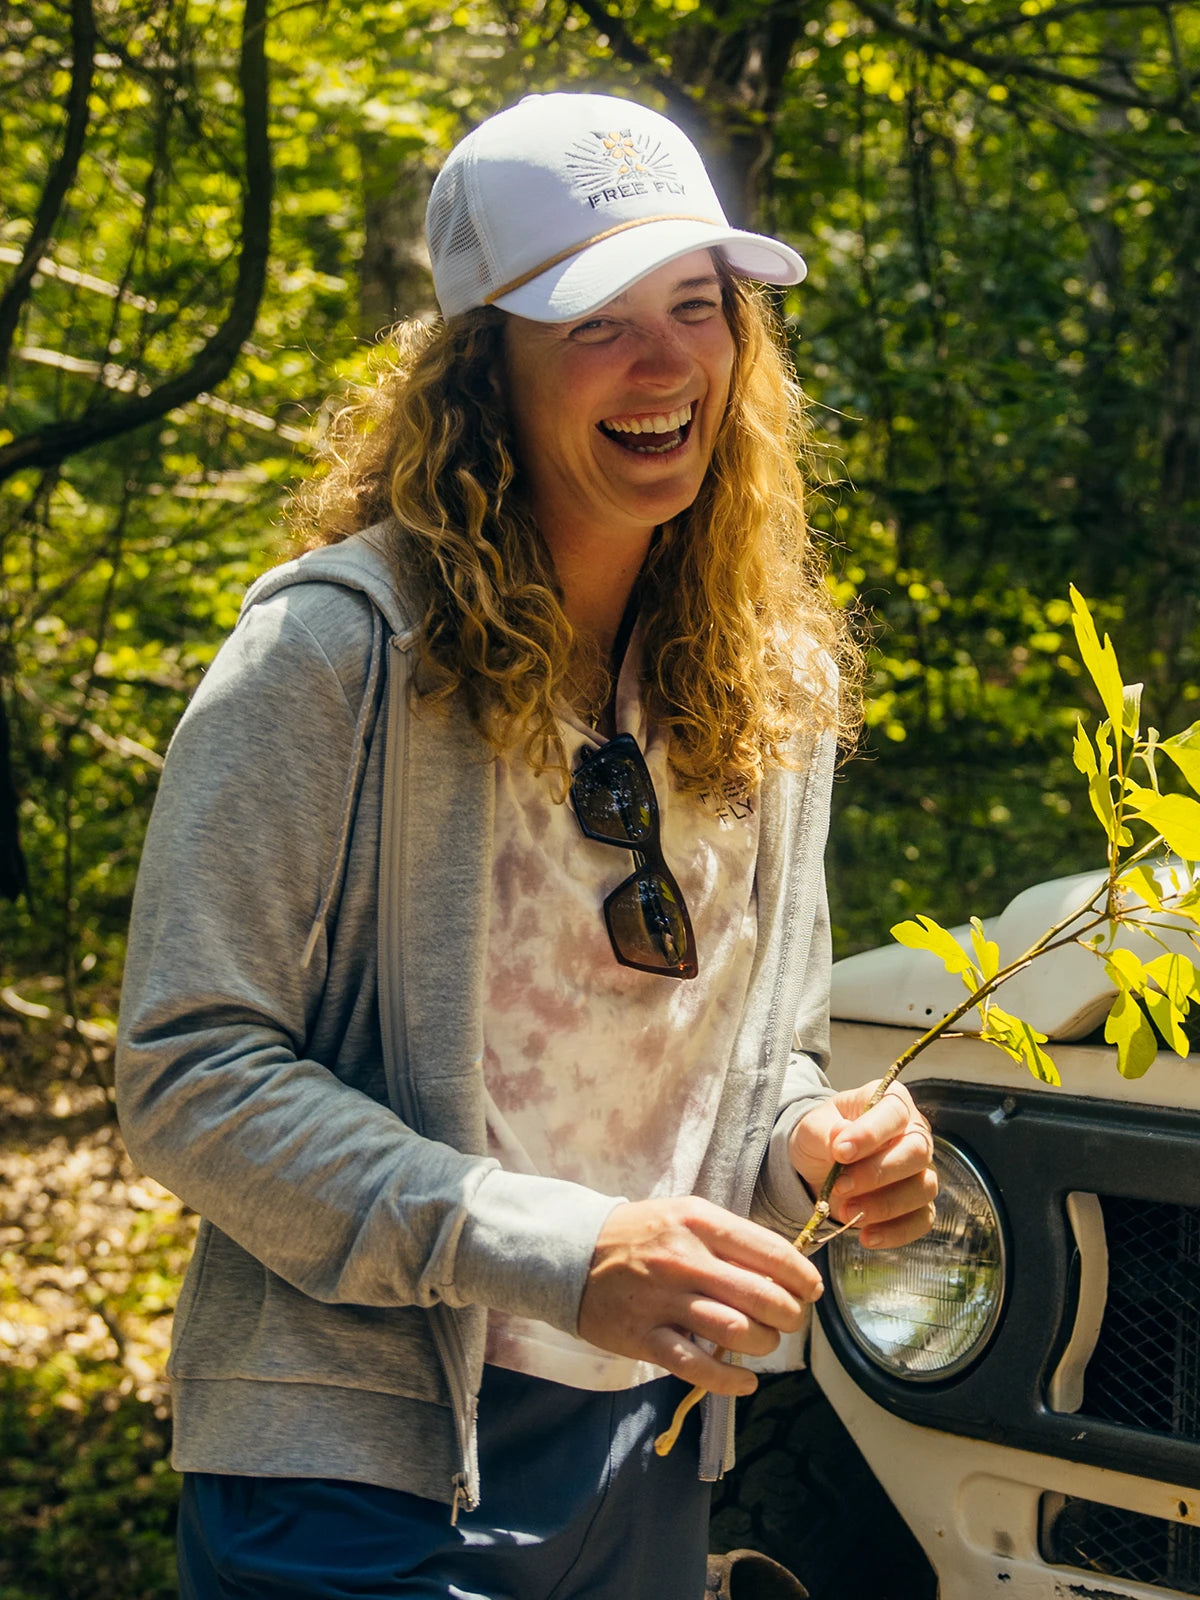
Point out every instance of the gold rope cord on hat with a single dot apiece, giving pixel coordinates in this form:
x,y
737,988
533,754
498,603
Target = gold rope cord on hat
x,y
573,250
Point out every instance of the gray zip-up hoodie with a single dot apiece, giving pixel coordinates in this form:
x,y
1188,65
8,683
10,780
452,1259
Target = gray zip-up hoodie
x,y
301,1044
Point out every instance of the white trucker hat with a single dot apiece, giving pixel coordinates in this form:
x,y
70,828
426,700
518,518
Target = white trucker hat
x,y
553,207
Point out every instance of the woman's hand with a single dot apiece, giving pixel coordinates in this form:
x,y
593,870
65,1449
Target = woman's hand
x,y
889,1181
668,1271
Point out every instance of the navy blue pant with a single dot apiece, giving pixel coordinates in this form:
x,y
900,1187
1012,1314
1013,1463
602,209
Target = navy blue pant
x,y
576,1506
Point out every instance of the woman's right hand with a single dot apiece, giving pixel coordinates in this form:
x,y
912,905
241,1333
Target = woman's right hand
x,y
666,1272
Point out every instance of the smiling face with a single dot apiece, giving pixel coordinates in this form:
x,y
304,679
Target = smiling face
x,y
616,415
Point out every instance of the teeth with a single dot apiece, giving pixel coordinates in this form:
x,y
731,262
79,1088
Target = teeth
x,y
664,423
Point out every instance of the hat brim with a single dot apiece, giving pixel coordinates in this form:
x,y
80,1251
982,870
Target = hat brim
x,y
597,274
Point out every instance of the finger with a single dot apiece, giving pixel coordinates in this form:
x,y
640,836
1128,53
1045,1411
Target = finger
x,y
671,1348
906,1157
760,1299
750,1249
874,1129
761,1296
895,1200
731,1330
891,1235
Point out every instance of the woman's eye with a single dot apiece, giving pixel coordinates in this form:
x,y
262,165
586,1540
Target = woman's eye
x,y
595,331
697,310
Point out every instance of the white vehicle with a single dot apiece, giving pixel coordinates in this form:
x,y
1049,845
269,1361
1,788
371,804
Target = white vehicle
x,y
1024,1383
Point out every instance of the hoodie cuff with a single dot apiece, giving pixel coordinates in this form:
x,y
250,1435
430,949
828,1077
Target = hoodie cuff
x,y
527,1247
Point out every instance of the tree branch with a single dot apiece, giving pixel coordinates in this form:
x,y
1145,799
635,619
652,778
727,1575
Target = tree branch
x,y
1005,66
52,445
14,876
1018,19
60,177
626,48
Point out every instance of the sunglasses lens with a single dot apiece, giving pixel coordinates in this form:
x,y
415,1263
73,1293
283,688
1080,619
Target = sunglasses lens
x,y
613,799
646,921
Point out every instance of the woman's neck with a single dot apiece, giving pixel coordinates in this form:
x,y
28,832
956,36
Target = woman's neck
x,y
597,571
599,587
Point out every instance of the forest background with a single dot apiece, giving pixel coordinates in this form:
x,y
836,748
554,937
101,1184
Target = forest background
x,y
208,212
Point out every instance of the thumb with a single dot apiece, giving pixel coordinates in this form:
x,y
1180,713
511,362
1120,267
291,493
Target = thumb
x,y
819,1139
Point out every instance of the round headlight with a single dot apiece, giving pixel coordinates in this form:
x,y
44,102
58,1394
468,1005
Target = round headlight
x,y
926,1310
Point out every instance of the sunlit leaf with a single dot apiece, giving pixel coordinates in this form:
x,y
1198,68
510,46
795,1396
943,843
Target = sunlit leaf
x,y
1169,1020
1084,755
926,934
1141,883
1099,659
1176,817
1019,1040
1100,795
987,951
1128,1027
1184,751
1177,977
1125,970
1104,745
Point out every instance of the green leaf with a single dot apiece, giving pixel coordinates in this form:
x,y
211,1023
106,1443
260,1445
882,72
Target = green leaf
x,y
1104,746
1131,715
1020,1041
1177,977
987,951
1100,788
1175,816
926,934
1126,971
1128,1027
1141,883
1169,1020
1099,659
1184,751
1084,755
1101,798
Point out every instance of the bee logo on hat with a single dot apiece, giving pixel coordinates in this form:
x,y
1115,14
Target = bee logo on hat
x,y
617,164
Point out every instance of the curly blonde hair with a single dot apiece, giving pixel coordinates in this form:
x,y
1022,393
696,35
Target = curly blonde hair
x,y
743,626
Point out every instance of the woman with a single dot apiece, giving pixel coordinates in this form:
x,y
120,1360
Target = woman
x,y
477,982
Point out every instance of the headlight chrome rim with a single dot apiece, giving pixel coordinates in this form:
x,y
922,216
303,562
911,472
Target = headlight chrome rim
x,y
845,1247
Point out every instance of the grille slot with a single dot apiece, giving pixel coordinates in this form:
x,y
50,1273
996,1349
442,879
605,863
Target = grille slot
x,y
1120,1544
1145,1370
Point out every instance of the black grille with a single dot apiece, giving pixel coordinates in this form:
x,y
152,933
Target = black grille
x,y
1121,1544
1145,1371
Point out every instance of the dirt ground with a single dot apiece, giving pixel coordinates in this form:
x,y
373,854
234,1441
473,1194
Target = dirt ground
x,y
90,1258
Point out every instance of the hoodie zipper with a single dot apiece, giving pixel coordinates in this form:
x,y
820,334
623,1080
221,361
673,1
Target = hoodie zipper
x,y
720,1418
446,1335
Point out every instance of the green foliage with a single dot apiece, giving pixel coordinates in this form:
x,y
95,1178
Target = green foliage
x,y
86,1495
998,336
90,1261
995,333
1149,995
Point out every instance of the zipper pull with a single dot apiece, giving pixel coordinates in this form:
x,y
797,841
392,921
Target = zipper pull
x,y
462,1497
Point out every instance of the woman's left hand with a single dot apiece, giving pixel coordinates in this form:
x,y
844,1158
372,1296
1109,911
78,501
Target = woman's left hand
x,y
889,1182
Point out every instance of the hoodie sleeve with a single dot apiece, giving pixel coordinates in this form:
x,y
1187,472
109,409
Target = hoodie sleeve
x,y
225,980
781,1199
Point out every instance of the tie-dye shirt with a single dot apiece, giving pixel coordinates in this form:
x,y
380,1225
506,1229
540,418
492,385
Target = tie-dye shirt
x,y
593,1071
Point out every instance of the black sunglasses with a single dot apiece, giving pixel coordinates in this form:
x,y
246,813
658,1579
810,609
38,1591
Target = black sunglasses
x,y
648,922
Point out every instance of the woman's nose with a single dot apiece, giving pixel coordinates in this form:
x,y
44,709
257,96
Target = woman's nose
x,y
662,357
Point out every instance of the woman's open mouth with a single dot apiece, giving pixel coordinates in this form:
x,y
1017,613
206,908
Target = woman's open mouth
x,y
653,434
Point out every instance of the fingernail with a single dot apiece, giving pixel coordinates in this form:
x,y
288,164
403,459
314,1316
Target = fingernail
x,y
845,1150
843,1188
